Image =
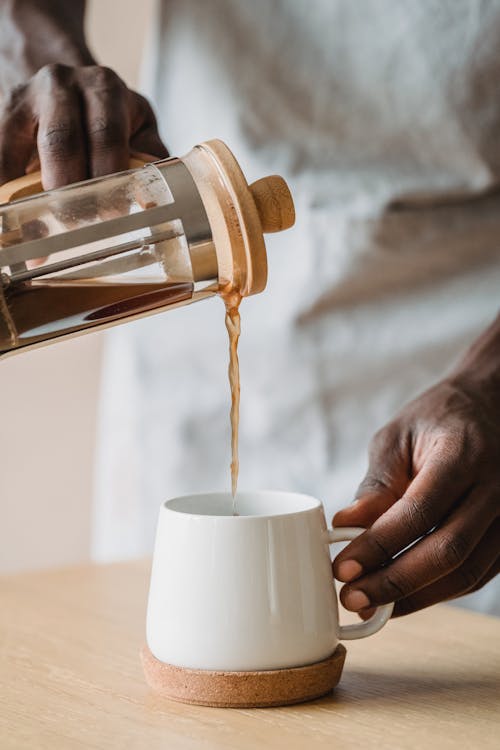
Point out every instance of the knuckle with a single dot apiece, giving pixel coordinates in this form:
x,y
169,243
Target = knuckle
x,y
144,111
471,577
418,514
450,551
53,75
481,457
60,139
393,586
141,101
371,483
105,78
474,439
380,551
387,447
106,133
381,439
14,101
464,445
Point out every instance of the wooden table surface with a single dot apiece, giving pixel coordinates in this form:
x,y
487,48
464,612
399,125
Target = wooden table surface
x,y
71,678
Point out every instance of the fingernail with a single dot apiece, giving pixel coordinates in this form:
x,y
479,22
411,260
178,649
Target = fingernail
x,y
348,570
365,614
356,600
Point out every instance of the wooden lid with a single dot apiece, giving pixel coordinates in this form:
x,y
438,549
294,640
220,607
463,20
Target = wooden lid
x,y
239,215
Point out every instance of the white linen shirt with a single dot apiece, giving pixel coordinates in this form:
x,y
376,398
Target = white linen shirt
x,y
384,118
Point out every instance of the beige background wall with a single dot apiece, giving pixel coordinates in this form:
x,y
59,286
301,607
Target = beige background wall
x,y
49,397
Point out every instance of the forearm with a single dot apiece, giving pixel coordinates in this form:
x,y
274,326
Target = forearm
x,y
480,366
35,33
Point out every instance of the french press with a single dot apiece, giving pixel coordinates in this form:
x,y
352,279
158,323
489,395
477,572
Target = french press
x,y
115,248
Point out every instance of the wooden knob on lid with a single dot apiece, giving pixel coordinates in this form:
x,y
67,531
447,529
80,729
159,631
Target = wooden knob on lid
x,y
274,203
239,214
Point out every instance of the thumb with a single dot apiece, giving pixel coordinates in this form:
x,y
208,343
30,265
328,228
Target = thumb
x,y
388,475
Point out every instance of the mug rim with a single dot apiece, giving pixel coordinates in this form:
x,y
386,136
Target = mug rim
x,y
313,505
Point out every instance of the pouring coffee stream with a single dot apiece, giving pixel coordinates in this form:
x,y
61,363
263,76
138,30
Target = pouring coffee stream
x,y
117,248
233,326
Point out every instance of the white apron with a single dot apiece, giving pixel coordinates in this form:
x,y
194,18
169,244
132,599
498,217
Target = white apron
x,y
384,117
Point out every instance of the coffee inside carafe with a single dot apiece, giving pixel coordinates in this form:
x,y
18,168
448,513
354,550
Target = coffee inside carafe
x,y
103,251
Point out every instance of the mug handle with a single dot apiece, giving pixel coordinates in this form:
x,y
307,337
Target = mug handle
x,y
381,614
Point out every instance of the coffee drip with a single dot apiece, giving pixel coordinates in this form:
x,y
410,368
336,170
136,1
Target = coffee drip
x,y
233,326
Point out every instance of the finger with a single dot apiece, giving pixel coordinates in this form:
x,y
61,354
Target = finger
x,y
365,510
432,558
60,139
17,135
365,614
384,483
479,568
149,142
34,162
107,120
144,130
437,487
387,478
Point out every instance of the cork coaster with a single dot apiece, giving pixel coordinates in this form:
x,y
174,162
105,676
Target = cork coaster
x,y
276,687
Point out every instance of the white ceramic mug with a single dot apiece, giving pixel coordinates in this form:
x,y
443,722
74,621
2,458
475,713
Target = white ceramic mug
x,y
247,592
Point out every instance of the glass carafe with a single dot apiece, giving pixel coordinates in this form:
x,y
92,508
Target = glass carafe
x,y
122,246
